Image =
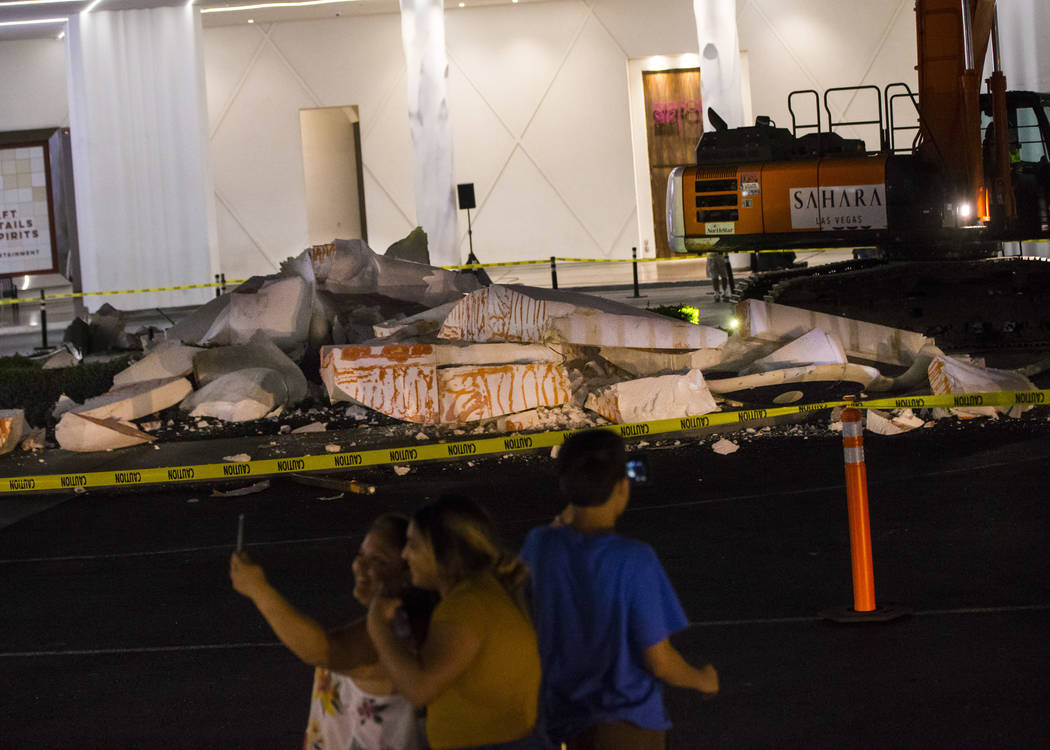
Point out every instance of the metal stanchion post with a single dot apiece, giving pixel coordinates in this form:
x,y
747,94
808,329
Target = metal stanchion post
x,y
554,273
43,320
222,278
218,286
864,609
634,270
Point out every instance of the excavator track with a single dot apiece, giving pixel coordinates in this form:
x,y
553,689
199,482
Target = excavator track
x,y
974,305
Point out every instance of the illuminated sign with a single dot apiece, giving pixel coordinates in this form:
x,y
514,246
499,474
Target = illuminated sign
x,y
26,236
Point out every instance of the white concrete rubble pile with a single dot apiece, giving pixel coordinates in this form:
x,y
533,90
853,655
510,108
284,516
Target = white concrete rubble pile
x,y
951,375
83,433
239,396
418,382
661,397
168,359
12,427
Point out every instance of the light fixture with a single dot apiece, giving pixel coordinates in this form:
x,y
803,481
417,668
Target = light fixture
x,y
11,3
33,21
259,6
251,20
91,7
62,34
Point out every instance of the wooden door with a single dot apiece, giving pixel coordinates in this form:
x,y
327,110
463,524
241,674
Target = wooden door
x,y
673,125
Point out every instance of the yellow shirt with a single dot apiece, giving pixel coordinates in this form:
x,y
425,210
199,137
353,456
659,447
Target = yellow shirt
x,y
495,699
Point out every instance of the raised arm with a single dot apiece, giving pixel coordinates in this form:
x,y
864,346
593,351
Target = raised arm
x,y
304,636
445,655
665,663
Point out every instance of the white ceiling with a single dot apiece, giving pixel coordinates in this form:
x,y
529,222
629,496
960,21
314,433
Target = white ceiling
x,y
62,9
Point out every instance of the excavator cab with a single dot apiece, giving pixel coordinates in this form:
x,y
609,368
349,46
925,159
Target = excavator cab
x,y
1028,136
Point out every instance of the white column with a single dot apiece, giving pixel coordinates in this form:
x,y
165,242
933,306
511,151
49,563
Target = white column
x,y
138,125
719,60
423,36
1023,29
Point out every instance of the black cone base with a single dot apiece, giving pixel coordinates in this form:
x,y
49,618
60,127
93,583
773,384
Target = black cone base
x,y
885,613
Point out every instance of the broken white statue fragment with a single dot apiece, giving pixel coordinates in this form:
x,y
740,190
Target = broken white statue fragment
x,y
467,394
891,423
859,339
645,399
399,380
352,267
238,396
213,363
949,375
169,359
83,433
528,314
12,426
646,362
791,385
814,348
136,400
412,382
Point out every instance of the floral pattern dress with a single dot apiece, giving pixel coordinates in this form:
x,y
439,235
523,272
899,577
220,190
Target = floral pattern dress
x,y
344,717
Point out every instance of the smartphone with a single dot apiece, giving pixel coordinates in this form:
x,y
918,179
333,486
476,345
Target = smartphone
x,y
240,533
638,470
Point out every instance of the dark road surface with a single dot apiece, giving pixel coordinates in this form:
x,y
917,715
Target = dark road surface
x,y
119,627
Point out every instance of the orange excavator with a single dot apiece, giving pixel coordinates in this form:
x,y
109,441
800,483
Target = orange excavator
x,y
975,171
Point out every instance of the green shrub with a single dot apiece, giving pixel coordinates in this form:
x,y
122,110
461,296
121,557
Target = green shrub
x,y
24,384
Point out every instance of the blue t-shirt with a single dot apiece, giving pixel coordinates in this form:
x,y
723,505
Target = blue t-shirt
x,y
599,600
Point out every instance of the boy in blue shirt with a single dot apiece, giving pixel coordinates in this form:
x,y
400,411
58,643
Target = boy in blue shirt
x,y
604,611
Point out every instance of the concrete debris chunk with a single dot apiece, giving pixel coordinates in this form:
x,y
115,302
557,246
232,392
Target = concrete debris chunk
x,y
724,447
12,427
61,359
468,394
312,427
258,352
662,397
168,359
84,433
950,375
239,396
399,380
351,266
891,423
34,439
420,324
859,339
279,307
816,347
528,314
136,400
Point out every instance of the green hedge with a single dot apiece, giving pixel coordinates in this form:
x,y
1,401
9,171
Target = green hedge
x,y
24,384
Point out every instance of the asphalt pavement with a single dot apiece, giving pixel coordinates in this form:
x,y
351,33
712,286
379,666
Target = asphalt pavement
x,y
119,627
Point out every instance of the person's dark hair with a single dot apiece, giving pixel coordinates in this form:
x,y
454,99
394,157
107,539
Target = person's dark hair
x,y
393,527
465,542
417,603
590,464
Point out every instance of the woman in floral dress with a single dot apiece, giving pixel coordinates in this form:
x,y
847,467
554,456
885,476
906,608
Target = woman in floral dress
x,y
354,705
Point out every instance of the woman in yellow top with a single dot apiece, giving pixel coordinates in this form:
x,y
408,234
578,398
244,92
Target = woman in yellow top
x,y
478,671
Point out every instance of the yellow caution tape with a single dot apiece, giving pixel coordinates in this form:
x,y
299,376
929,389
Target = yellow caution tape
x,y
71,295
514,443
